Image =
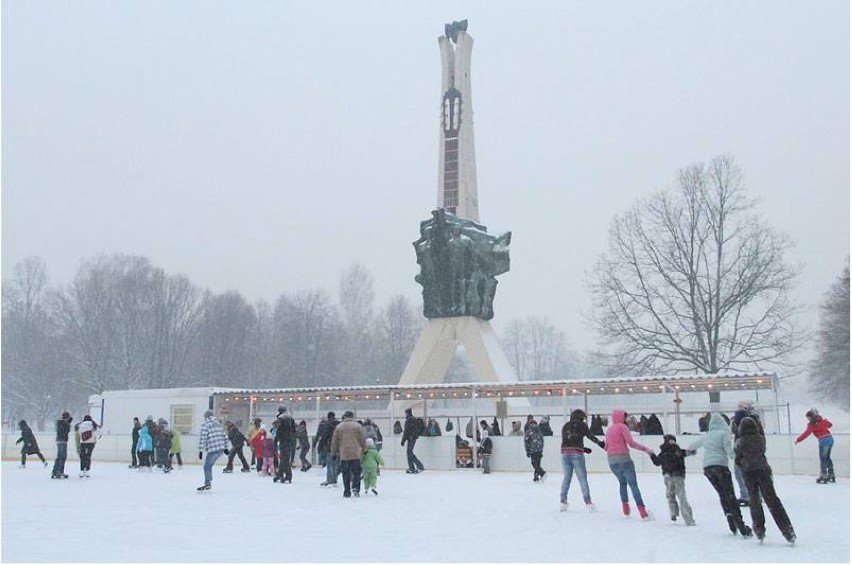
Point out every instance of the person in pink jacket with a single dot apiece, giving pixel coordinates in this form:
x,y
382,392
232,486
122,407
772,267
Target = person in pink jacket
x,y
618,444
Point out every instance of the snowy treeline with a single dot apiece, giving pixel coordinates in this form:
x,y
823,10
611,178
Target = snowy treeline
x,y
124,323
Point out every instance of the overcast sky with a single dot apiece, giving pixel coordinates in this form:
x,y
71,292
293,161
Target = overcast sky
x,y
266,146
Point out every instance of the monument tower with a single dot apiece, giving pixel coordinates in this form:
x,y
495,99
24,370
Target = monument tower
x,y
458,259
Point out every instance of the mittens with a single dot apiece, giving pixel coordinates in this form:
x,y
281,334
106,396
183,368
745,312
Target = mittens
x,y
227,452
587,450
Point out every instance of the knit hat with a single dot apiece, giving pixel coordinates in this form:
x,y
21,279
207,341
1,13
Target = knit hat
x,y
348,414
812,412
331,414
207,414
744,404
151,418
282,409
408,410
370,442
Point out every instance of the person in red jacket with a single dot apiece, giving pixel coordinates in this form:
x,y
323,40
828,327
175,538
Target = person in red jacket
x,y
820,426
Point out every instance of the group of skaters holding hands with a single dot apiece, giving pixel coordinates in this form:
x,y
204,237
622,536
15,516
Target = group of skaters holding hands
x,y
741,439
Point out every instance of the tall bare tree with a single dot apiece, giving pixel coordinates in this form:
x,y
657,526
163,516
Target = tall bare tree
x,y
222,347
829,375
693,281
358,360
537,350
397,328
35,382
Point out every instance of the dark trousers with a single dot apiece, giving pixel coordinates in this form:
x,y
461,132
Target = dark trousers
x,y
145,458
303,452
177,456
331,469
61,456
24,456
163,460
133,460
759,483
535,459
236,452
86,450
413,462
720,478
285,470
351,470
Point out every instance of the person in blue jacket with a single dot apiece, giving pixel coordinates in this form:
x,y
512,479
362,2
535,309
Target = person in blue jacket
x,y
145,447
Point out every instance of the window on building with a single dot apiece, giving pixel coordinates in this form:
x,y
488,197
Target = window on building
x,y
182,418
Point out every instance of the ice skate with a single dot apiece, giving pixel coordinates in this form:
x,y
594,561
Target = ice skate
x,y
374,491
644,514
822,479
590,506
563,504
203,488
625,509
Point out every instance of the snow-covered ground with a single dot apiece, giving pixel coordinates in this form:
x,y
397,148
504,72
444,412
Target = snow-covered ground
x,y
122,515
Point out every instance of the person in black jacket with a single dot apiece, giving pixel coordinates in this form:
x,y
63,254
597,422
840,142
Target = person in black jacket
x,y
573,452
671,459
750,455
30,446
63,428
134,438
304,444
162,445
597,425
284,429
534,448
410,434
238,440
744,408
332,463
544,426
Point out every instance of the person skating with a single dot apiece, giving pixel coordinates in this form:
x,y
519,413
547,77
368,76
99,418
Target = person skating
x,y
237,439
30,446
88,431
744,408
412,430
267,451
534,448
672,461
63,428
284,430
371,461
304,445
162,445
145,449
212,439
134,439
751,457
718,452
486,447
331,461
544,426
348,443
819,427
618,443
573,454
175,449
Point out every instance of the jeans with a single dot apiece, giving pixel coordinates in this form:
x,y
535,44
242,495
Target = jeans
x,y
331,469
209,461
826,467
413,462
738,474
574,463
626,475
351,469
61,456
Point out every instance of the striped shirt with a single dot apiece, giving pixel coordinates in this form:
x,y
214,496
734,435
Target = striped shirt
x,y
212,436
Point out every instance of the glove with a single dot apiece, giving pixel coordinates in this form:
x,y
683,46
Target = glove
x,y
655,459
693,451
587,450
201,455
652,456
227,452
403,442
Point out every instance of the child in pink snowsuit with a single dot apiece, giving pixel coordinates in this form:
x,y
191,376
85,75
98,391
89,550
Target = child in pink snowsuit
x,y
268,454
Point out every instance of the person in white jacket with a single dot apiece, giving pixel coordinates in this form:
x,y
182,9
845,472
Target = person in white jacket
x,y
88,436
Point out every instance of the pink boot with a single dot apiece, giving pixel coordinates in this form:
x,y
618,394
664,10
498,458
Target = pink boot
x,y
625,508
642,512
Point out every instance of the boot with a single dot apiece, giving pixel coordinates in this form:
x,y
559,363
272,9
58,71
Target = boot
x,y
745,531
822,479
625,508
643,513
563,503
760,533
831,476
732,524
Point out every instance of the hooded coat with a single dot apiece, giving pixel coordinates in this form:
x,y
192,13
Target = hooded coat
x,y
618,437
30,446
575,430
751,447
717,444
145,442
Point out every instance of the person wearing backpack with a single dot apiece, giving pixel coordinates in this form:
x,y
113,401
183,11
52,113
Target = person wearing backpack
x,y
413,429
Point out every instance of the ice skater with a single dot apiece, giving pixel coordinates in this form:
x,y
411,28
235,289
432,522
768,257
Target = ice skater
x,y
618,444
30,446
673,463
819,427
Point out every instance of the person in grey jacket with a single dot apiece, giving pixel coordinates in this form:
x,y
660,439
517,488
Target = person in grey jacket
x,y
718,451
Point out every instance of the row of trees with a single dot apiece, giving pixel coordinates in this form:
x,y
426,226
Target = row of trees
x,y
693,280
125,324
